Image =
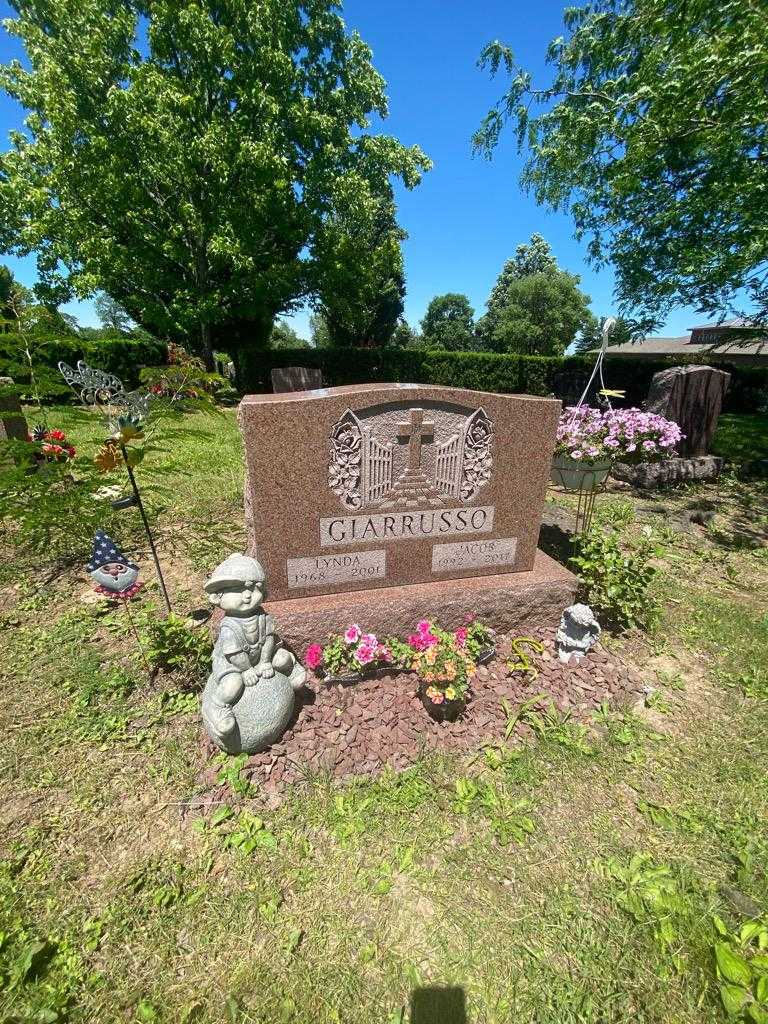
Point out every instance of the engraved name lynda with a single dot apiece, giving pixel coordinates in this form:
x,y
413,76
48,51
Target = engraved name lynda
x,y
405,525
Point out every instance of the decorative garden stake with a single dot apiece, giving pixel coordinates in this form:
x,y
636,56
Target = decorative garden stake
x,y
577,633
522,661
115,576
125,411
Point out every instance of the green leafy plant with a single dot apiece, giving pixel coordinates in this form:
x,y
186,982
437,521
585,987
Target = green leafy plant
x,y
554,726
249,833
616,579
172,645
741,967
510,819
231,773
654,895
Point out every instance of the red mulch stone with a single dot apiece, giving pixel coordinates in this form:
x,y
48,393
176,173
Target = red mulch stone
x,y
358,729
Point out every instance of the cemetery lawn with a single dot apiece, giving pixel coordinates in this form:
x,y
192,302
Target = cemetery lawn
x,y
571,881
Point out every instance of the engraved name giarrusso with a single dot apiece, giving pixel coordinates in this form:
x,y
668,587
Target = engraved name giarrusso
x,y
405,525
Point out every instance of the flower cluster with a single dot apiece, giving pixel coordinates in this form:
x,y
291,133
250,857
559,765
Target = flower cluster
x,y
354,651
446,661
54,445
624,435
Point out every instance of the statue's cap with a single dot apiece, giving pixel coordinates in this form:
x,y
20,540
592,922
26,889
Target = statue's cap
x,y
105,551
235,569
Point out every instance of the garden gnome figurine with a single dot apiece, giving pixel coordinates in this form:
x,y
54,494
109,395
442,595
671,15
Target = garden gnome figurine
x,y
249,698
114,575
577,634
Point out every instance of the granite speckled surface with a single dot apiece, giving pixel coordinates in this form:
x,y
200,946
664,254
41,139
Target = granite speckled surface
x,y
506,602
416,467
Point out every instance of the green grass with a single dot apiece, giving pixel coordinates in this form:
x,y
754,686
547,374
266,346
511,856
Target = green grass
x,y
572,881
742,438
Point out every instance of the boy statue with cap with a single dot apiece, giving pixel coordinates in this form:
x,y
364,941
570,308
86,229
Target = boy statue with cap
x,y
249,698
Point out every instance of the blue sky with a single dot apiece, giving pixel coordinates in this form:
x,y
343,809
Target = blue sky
x,y
468,215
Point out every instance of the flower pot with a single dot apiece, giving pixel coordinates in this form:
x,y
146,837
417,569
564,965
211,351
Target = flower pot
x,y
574,475
448,711
486,655
350,678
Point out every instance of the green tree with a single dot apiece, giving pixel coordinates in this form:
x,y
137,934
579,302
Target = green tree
x,y
541,316
449,323
181,156
534,308
591,334
653,136
534,257
10,291
360,278
320,335
20,310
113,317
404,336
284,336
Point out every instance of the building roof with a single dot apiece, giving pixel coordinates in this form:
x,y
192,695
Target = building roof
x,y
683,346
724,325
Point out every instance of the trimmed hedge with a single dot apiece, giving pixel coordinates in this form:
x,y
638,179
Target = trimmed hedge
x,y
482,371
121,356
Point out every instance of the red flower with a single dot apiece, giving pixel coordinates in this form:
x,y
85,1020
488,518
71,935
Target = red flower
x,y
57,435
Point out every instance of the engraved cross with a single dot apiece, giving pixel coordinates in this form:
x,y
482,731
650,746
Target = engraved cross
x,y
414,432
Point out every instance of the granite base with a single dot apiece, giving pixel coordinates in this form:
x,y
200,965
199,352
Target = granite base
x,y
512,601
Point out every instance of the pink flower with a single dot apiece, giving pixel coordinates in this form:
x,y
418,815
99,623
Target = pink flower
x,y
424,626
369,639
364,654
314,656
414,641
384,653
437,698
353,634
461,636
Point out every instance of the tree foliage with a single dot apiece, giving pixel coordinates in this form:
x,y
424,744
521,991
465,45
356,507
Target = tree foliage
x,y
541,316
182,155
653,135
360,276
284,336
404,336
591,334
113,317
449,323
535,308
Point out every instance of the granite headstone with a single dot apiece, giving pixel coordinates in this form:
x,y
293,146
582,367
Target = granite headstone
x,y
377,488
13,425
296,378
692,396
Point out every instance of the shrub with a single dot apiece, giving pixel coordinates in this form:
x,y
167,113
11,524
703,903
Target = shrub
x,y
485,371
616,582
122,356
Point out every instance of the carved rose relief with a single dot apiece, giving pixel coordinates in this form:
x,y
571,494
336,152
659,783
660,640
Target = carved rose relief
x,y
410,457
476,470
344,463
